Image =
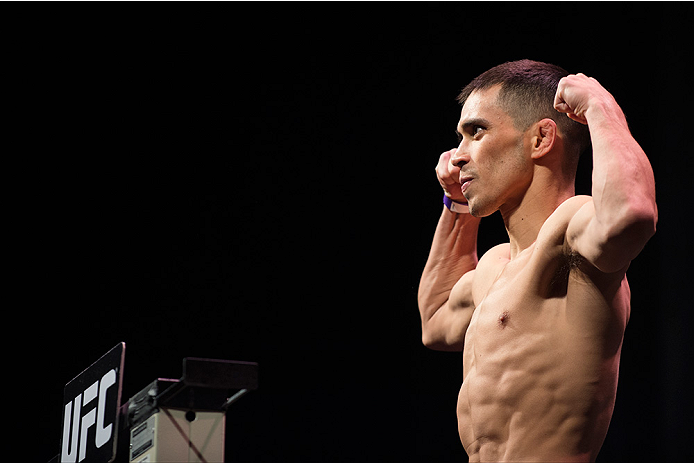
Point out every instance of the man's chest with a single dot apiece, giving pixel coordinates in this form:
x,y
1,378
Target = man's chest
x,y
513,323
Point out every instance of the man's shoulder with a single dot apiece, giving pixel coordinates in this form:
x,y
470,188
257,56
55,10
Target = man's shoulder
x,y
493,261
553,231
501,253
488,268
572,205
553,240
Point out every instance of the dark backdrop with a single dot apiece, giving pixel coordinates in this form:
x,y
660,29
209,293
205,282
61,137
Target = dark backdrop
x,y
255,182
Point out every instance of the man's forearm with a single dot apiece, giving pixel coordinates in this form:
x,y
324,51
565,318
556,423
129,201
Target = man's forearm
x,y
453,253
623,184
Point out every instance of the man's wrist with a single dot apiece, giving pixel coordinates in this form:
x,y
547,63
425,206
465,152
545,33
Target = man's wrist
x,y
455,206
604,111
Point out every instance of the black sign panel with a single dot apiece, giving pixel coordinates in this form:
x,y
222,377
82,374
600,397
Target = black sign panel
x,y
90,411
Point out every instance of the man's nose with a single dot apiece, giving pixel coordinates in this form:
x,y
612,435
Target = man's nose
x,y
460,157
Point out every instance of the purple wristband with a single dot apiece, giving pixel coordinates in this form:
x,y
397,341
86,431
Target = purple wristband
x,y
455,206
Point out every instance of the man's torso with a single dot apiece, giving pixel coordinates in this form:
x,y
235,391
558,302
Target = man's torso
x,y
541,353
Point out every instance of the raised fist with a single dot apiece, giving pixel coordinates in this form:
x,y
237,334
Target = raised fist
x,y
448,176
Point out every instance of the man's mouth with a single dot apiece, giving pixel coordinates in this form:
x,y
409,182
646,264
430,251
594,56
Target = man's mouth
x,y
464,183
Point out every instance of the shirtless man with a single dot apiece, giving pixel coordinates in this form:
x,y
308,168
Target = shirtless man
x,y
540,319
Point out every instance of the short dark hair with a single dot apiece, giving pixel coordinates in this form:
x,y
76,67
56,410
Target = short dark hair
x,y
527,94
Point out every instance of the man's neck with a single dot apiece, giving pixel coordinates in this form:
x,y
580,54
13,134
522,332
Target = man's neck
x,y
524,219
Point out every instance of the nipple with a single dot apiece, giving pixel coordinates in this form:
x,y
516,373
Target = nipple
x,y
503,318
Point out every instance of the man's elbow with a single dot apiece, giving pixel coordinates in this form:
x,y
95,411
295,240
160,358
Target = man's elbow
x,y
647,217
636,219
439,343
653,220
649,224
427,339
640,222
625,239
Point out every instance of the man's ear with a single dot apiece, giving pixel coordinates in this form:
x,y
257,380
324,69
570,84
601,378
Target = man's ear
x,y
543,137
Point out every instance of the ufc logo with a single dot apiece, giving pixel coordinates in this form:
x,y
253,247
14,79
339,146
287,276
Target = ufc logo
x,y
82,423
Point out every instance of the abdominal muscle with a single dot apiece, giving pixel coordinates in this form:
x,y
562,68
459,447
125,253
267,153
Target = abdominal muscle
x,y
532,390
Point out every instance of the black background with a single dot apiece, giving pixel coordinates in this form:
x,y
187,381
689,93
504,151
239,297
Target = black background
x,y
255,182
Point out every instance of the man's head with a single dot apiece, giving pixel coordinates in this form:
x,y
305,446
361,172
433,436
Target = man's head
x,y
515,102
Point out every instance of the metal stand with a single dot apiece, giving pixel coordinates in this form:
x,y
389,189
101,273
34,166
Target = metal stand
x,y
170,420
184,420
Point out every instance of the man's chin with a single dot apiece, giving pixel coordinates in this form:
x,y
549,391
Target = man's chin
x,y
478,210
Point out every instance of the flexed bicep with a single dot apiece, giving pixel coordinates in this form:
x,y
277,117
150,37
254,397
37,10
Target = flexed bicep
x,y
614,226
606,248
